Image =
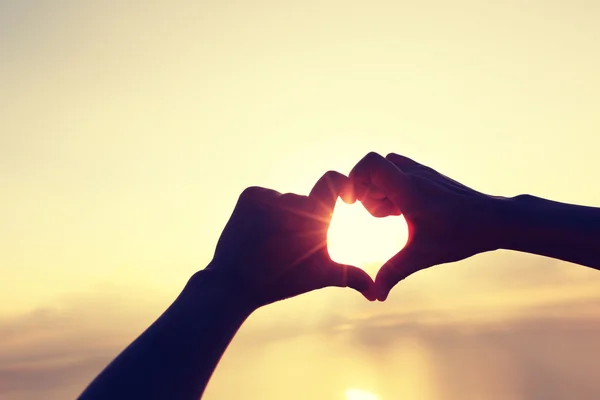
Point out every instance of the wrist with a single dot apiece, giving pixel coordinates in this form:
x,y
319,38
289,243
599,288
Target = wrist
x,y
515,221
213,287
499,221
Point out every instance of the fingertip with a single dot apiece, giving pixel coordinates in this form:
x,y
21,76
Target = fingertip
x,y
371,292
370,295
382,295
348,199
357,279
380,208
328,188
360,190
386,279
382,288
348,195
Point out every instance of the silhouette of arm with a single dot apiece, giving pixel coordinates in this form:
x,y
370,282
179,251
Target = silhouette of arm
x,y
533,225
273,247
175,357
448,221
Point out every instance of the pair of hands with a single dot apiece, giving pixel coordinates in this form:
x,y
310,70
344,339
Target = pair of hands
x,y
275,245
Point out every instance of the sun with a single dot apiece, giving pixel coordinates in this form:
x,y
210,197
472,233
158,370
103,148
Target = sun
x,y
357,238
355,394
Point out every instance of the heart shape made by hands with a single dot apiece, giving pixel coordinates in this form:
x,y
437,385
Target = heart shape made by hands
x,y
357,238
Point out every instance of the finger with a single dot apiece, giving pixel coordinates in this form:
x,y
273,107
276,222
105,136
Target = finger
x,y
403,264
327,190
408,165
375,171
348,195
355,278
402,162
293,213
380,208
405,163
360,189
257,193
292,201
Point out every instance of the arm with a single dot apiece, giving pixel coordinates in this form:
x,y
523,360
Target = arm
x,y
175,357
448,221
273,247
548,228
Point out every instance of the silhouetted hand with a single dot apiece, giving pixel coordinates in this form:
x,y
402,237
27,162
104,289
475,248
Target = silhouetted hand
x,y
275,245
446,220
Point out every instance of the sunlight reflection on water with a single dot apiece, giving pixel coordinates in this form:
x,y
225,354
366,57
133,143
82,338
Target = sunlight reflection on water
x,y
413,360
357,394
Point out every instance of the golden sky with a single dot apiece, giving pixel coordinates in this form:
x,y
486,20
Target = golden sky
x,y
128,131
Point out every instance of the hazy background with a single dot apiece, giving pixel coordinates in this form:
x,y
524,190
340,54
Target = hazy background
x,y
128,129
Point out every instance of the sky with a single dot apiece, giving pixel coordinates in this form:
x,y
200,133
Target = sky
x,y
127,132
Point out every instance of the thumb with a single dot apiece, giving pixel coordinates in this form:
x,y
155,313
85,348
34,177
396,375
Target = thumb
x,y
397,268
353,277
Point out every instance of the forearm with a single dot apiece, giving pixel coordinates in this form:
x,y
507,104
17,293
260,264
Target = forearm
x,y
175,357
558,230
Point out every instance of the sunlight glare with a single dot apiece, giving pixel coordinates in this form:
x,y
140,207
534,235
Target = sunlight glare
x,y
357,238
355,394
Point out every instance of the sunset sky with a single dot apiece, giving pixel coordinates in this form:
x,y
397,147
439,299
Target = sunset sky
x,y
127,132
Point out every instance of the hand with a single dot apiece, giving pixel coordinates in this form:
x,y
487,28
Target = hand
x,y
275,245
446,220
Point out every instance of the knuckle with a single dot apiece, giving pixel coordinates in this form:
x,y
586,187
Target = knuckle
x,y
334,177
291,199
257,193
366,164
373,156
250,192
328,176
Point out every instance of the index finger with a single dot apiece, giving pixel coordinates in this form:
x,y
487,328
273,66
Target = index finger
x,y
374,171
328,188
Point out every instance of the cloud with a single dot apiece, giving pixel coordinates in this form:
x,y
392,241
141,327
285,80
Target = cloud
x,y
509,338
547,351
66,344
